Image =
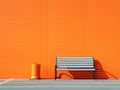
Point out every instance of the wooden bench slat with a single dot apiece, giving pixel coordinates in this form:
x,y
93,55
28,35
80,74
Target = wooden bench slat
x,y
75,66
76,69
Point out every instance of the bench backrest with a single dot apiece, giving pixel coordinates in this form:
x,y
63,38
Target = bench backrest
x,y
75,62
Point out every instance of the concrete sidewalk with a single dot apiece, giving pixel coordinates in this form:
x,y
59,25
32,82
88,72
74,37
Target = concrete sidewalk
x,y
59,84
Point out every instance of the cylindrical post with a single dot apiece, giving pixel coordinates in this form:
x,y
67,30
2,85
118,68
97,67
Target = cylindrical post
x,y
35,72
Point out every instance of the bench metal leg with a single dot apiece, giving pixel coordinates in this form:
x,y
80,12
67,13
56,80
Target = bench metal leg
x,y
55,72
94,75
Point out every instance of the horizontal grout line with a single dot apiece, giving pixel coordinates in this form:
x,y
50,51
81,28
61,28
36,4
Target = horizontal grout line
x,y
59,86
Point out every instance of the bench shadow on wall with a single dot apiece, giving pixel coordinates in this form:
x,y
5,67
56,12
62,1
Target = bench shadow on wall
x,y
100,73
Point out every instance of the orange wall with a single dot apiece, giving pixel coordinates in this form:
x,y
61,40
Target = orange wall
x,y
36,31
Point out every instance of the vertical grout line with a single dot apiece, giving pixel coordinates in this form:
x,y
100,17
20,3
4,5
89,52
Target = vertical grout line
x,y
87,30
47,41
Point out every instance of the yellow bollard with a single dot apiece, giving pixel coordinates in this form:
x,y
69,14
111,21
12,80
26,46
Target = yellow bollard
x,y
35,73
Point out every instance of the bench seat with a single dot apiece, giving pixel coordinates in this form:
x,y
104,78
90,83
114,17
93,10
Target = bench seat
x,y
75,64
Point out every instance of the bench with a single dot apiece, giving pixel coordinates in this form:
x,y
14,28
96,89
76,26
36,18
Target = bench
x,y
75,64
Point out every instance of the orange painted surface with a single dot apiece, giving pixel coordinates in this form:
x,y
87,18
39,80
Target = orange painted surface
x,y
37,31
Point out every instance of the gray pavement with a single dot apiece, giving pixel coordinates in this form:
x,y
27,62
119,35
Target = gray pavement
x,y
11,84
